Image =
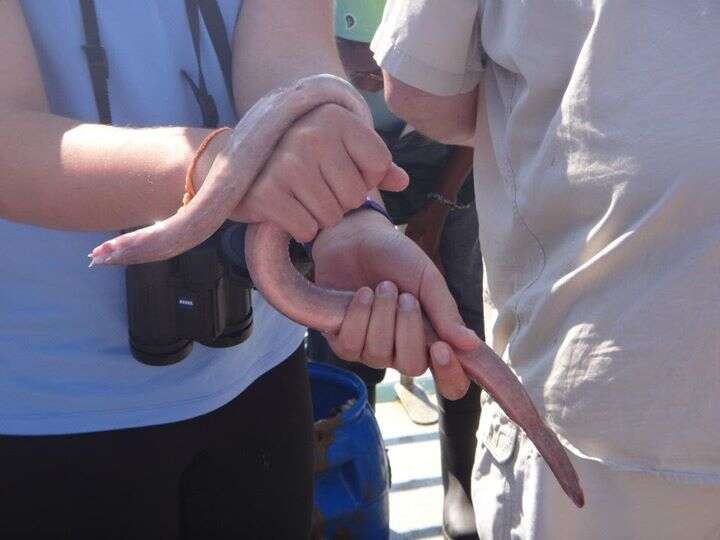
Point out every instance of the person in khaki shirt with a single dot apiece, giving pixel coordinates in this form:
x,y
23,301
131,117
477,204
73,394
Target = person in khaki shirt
x,y
596,127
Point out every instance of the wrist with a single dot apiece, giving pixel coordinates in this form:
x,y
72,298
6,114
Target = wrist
x,y
435,208
204,164
373,206
449,203
369,211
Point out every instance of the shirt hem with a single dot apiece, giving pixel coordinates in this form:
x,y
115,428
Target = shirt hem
x,y
683,477
166,413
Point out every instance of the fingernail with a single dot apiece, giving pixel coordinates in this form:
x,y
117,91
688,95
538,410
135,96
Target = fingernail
x,y
365,296
386,288
100,259
441,356
407,302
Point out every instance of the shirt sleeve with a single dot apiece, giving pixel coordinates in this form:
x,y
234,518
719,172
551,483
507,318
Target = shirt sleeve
x,y
433,45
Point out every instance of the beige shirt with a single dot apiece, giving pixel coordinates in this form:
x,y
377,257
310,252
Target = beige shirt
x,y
598,193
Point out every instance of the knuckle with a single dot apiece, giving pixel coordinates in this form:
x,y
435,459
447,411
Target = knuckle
x,y
416,370
384,155
458,387
460,391
289,166
332,111
301,235
312,230
341,351
351,348
306,136
306,232
408,368
374,172
453,394
265,191
381,157
337,215
353,199
376,355
330,217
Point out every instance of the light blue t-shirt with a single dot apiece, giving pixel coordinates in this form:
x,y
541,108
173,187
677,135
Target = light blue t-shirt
x,y
65,365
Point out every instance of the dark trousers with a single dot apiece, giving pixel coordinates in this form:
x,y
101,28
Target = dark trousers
x,y
242,471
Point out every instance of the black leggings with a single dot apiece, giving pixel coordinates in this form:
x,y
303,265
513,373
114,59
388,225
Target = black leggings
x,y
242,471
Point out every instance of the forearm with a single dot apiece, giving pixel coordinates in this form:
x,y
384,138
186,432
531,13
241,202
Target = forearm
x,y
61,173
455,172
448,119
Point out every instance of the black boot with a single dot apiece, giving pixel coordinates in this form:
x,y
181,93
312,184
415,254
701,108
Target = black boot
x,y
371,391
458,424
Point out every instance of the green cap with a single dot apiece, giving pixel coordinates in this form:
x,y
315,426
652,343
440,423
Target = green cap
x,y
357,20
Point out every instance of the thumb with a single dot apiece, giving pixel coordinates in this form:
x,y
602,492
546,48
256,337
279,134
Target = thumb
x,y
395,179
442,311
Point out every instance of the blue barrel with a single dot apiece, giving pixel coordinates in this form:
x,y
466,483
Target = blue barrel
x,y
351,468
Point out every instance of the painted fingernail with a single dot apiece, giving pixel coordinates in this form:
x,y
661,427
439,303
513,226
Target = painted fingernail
x,y
386,288
365,295
407,302
441,356
99,259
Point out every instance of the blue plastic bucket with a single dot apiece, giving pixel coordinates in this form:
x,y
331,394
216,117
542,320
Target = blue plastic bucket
x,y
351,469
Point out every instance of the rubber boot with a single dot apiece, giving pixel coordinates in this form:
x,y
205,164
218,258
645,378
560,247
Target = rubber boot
x,y
371,392
458,425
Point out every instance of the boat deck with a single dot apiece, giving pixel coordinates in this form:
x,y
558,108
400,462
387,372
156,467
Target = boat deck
x,y
416,494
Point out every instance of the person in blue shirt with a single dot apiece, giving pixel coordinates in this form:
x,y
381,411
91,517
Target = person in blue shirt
x,y
94,443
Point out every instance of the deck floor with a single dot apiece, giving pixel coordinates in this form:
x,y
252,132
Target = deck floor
x,y
416,493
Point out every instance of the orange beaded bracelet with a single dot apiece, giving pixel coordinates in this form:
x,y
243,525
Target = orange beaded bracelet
x,y
189,186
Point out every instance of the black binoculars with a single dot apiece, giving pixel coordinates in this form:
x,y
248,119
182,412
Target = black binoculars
x,y
202,295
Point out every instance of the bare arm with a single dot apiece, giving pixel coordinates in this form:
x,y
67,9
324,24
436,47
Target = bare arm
x,y
61,173
448,119
425,228
279,41
455,172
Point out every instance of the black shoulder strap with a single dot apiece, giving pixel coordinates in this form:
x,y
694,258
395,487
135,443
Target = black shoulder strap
x,y
97,60
218,35
99,69
205,101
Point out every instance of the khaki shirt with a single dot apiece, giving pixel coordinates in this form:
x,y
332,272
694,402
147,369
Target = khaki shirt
x,y
598,192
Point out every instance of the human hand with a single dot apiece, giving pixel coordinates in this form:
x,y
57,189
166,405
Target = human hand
x,y
395,283
324,166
